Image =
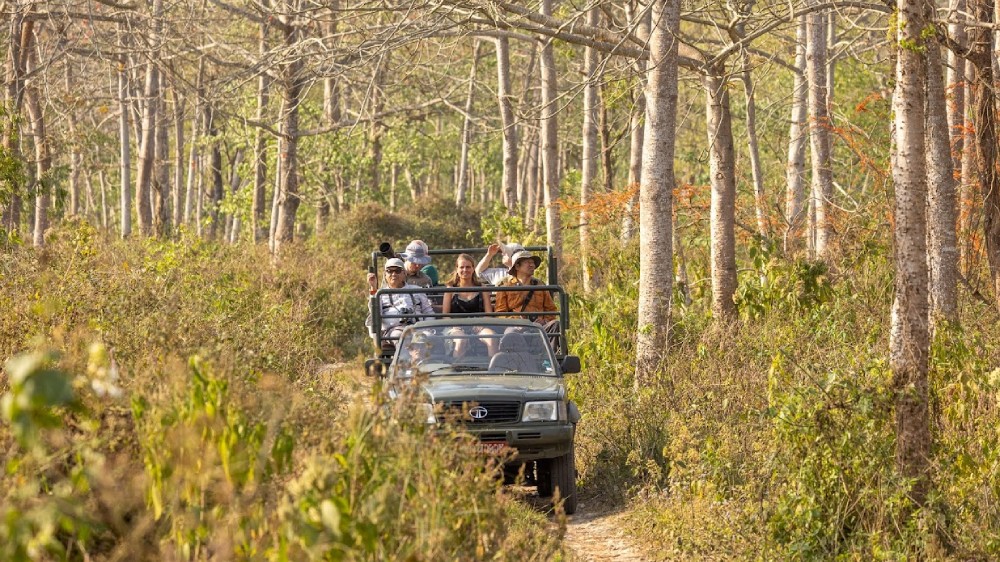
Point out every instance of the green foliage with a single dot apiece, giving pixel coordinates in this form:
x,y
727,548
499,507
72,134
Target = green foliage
x,y
778,285
35,389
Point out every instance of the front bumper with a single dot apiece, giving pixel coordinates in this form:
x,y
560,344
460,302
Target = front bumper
x,y
532,441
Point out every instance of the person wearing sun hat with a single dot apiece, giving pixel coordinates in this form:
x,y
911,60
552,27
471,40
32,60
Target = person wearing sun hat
x,y
417,256
521,273
416,303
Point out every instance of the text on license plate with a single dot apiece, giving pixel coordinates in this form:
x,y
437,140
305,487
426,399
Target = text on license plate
x,y
493,448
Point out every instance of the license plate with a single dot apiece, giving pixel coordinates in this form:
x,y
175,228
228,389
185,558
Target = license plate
x,y
493,448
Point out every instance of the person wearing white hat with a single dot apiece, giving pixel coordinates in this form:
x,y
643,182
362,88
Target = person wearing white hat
x,y
415,303
417,256
496,275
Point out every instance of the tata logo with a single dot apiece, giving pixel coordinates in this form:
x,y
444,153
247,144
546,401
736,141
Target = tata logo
x,y
478,413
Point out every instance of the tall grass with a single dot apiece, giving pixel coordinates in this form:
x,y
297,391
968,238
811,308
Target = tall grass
x,y
175,400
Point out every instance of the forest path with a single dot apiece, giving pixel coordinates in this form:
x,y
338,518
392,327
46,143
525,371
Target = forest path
x,y
594,534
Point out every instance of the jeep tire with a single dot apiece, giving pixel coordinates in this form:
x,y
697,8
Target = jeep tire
x,y
543,477
563,478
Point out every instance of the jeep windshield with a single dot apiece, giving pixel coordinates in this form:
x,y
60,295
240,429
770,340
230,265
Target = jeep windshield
x,y
468,349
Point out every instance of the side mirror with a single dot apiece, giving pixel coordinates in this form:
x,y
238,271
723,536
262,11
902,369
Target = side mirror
x,y
570,364
375,368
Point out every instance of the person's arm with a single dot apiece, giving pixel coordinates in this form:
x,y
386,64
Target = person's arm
x,y
485,262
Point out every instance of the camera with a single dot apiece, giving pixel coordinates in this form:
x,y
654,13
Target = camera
x,y
385,250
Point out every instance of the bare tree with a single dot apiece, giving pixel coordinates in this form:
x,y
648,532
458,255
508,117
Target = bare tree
x,y
43,156
590,153
795,199
819,134
656,192
509,184
722,174
463,164
942,196
909,334
549,138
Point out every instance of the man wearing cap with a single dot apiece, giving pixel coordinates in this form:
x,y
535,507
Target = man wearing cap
x,y
521,273
496,275
392,305
417,256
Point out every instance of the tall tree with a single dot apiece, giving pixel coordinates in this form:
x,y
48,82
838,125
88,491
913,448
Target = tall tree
x,y
656,192
942,196
509,187
43,155
982,57
909,333
722,172
821,230
639,19
462,184
125,161
590,153
147,147
550,140
795,194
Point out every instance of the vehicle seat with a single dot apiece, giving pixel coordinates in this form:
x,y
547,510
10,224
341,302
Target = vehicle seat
x,y
513,356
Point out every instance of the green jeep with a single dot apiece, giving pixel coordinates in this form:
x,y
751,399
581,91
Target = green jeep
x,y
498,377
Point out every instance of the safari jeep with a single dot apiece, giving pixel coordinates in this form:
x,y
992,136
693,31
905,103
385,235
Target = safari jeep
x,y
499,378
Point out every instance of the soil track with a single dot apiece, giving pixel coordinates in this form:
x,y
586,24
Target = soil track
x,y
594,535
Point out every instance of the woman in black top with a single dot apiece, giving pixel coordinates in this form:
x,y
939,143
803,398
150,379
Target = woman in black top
x,y
467,303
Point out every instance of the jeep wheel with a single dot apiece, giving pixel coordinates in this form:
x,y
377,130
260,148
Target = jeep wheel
x,y
563,478
543,477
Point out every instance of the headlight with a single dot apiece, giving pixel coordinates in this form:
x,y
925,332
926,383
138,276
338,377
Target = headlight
x,y
426,412
550,410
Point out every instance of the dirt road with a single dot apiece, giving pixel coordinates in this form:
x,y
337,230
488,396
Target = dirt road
x,y
594,535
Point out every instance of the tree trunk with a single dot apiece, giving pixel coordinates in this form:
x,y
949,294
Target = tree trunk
x,y
178,193
260,146
970,175
795,194
217,191
504,97
607,160
590,154
147,154
288,143
909,335
819,135
20,31
757,172
43,157
656,193
956,84
161,175
722,172
550,140
942,196
125,164
462,184
639,19
981,56
74,146
531,179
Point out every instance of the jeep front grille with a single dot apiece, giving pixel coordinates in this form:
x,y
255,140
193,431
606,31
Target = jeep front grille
x,y
495,411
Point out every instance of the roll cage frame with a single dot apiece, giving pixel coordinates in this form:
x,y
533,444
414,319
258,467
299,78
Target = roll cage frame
x,y
559,294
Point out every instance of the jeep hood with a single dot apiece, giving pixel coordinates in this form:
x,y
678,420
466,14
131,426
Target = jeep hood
x,y
469,388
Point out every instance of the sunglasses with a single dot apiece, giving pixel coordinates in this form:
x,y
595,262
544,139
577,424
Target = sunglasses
x,y
392,270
